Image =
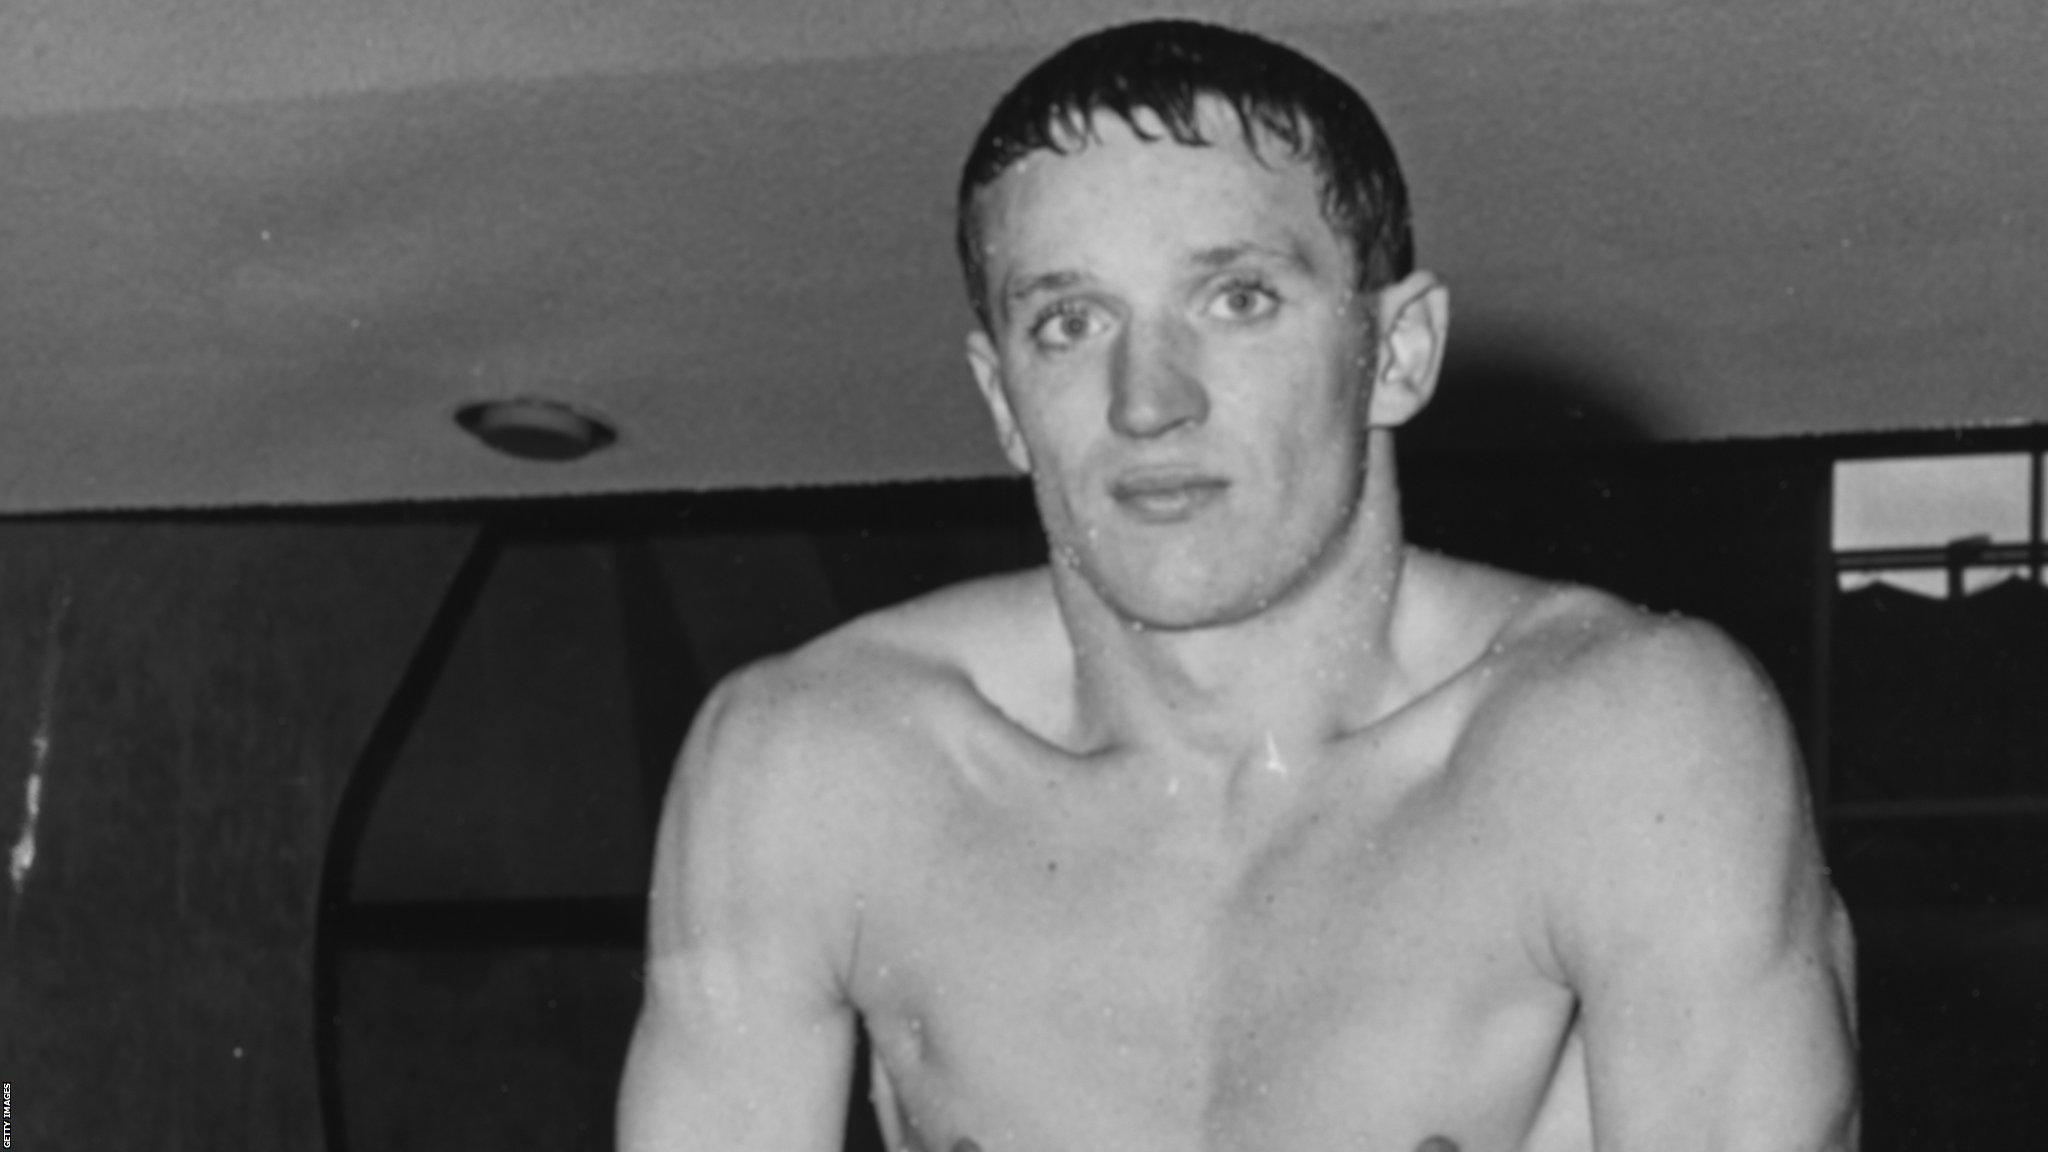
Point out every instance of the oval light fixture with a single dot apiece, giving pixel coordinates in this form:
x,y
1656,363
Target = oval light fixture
x,y
535,428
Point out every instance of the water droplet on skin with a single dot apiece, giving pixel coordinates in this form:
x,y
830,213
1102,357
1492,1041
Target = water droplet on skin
x,y
1274,763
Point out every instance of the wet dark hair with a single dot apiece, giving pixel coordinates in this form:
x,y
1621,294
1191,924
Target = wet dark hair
x,y
1163,67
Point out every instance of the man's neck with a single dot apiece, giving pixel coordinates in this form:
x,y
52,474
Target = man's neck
x,y
1267,691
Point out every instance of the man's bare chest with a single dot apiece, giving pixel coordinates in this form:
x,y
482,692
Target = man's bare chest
x,y
1354,972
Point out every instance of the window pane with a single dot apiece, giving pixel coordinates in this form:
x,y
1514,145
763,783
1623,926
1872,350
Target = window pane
x,y
1923,581
1930,500
1929,581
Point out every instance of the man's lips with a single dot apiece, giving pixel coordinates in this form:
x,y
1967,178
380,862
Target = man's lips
x,y
1164,497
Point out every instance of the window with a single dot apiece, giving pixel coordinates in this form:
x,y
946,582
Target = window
x,y
1939,525
1939,672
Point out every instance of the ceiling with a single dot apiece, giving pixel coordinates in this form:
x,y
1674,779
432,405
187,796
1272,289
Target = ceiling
x,y
257,252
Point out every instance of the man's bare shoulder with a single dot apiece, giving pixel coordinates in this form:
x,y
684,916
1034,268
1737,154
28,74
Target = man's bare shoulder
x,y
1588,704
801,767
897,668
1524,634
995,643
1610,681
969,624
1652,767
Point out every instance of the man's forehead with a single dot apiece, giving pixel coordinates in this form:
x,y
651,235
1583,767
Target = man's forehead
x,y
1220,193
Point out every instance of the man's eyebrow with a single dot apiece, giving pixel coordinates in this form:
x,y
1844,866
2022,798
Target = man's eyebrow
x,y
1021,288
1293,254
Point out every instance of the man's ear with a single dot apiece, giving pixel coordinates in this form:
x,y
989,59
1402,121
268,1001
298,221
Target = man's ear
x,y
1414,316
988,374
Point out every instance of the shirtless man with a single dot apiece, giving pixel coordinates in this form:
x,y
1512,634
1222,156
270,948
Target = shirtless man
x,y
1244,826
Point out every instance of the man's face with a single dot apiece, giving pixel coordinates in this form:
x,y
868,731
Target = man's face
x,y
1178,358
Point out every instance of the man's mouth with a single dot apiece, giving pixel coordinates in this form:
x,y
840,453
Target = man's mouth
x,y
1167,498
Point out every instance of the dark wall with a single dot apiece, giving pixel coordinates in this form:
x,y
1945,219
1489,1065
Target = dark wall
x,y
519,777
180,706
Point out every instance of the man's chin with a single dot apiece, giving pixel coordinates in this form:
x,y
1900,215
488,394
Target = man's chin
x,y
1194,578
1164,606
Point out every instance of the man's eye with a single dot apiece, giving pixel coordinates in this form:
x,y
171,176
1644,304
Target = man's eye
x,y
1063,325
1244,300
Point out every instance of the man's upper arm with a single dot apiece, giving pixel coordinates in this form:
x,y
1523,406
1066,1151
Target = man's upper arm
x,y
744,1038
1692,915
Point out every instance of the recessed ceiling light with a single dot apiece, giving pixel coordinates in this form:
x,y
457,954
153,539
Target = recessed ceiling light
x,y
533,428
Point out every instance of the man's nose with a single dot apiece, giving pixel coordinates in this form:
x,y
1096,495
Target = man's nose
x,y
1156,386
